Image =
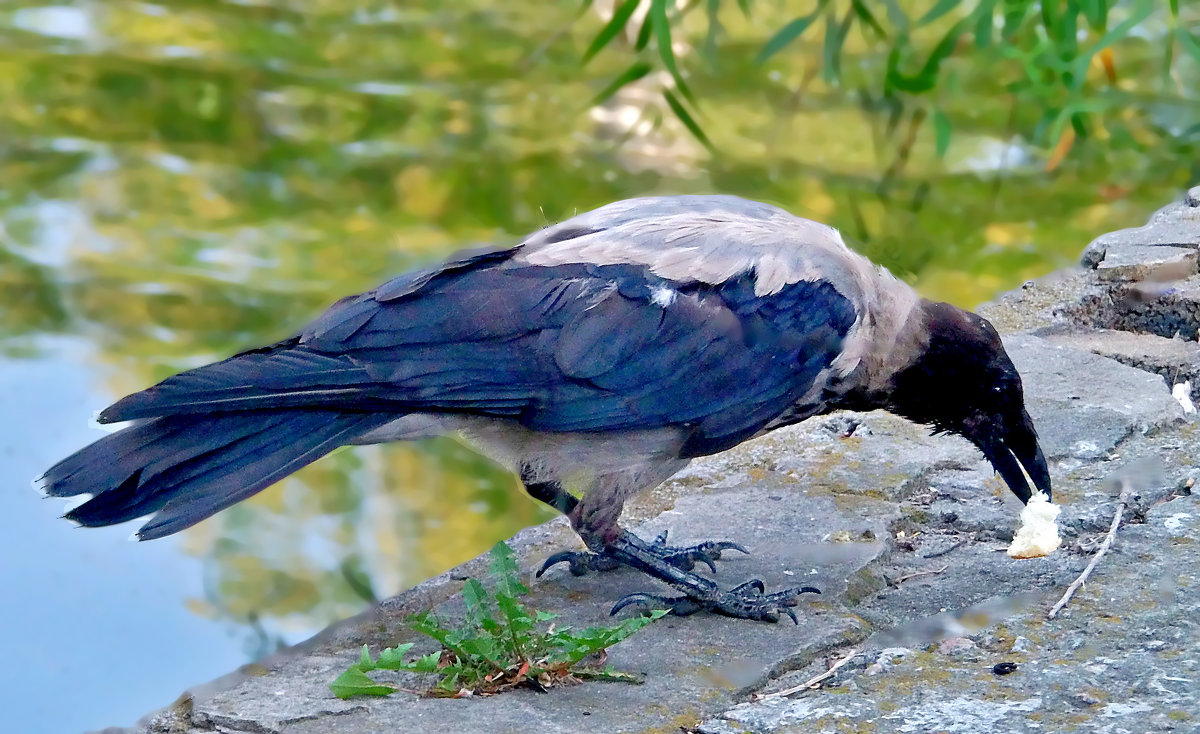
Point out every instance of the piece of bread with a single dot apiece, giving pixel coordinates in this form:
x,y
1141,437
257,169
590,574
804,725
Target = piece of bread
x,y
1037,534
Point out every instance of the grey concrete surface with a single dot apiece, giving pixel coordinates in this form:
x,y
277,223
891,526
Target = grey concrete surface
x,y
904,533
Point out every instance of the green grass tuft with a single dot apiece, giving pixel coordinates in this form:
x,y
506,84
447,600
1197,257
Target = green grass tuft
x,y
501,644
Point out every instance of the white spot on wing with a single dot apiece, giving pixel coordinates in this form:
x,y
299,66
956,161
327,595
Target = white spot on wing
x,y
663,296
71,503
106,427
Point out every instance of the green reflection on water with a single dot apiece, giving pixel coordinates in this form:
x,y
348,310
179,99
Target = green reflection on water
x,y
181,181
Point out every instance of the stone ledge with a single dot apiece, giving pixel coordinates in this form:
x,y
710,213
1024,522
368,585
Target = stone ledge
x,y
1176,225
1175,360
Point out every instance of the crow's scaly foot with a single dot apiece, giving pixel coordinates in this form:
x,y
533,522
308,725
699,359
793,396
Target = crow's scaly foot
x,y
747,601
674,567
684,558
580,562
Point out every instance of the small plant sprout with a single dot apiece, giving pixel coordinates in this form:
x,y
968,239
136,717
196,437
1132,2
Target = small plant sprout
x,y
501,644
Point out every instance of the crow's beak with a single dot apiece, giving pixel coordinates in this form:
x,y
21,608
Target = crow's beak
x,y
1019,448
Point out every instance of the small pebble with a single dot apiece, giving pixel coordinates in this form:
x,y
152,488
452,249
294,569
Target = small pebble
x,y
888,658
1004,668
1022,644
1085,699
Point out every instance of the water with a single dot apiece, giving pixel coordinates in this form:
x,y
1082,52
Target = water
x,y
181,181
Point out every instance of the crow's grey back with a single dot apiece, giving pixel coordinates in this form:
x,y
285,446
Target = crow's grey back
x,y
710,239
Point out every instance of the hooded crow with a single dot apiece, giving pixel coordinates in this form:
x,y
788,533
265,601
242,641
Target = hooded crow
x,y
608,350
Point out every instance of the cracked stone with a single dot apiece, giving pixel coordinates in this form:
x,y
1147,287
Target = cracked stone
x,y
1174,359
1148,262
1077,397
1174,225
1165,310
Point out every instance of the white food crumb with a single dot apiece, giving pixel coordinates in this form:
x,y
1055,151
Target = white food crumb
x,y
1182,392
1037,534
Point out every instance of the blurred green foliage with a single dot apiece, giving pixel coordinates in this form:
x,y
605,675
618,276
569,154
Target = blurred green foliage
x,y
180,180
1040,53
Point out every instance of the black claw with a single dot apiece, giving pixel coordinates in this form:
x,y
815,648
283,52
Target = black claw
x,y
714,548
756,584
729,546
686,559
679,606
767,607
629,600
580,562
555,559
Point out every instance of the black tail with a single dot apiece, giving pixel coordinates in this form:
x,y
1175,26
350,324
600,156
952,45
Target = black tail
x,y
188,467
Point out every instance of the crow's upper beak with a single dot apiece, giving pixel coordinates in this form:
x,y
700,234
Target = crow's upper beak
x,y
1019,448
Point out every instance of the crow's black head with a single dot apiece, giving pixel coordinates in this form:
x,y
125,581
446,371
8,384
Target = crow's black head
x,y
963,382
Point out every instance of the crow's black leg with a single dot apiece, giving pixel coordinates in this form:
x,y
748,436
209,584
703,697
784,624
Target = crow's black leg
x,y
668,564
580,562
550,493
560,499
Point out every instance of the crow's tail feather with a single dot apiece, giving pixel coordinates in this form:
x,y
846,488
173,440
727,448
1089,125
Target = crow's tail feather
x,y
185,468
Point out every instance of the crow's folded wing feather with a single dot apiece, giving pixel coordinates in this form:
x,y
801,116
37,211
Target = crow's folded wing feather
x,y
563,348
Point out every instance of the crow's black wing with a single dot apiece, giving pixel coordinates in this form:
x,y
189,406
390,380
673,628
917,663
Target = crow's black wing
x,y
564,348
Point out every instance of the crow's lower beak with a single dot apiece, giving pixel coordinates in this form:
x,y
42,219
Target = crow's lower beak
x,y
1019,448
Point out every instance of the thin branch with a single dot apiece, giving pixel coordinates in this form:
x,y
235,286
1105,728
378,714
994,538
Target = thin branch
x,y
814,682
949,550
918,574
1125,500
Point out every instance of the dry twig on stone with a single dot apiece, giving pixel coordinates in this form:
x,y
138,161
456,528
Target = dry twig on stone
x,y
949,550
1125,500
811,683
919,574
